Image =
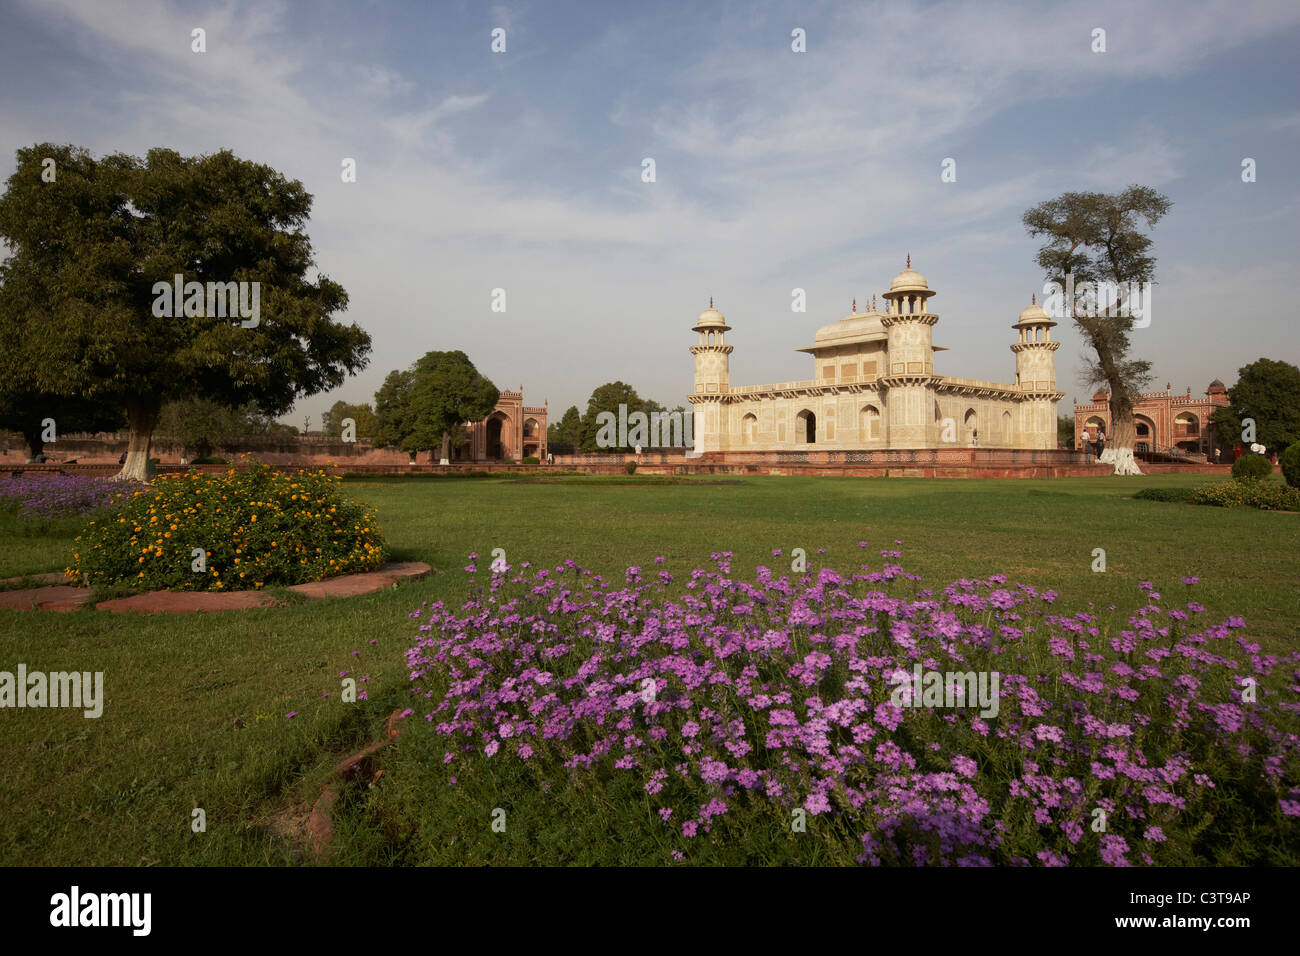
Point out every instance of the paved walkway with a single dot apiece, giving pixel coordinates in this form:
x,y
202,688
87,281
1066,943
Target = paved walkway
x,y
63,597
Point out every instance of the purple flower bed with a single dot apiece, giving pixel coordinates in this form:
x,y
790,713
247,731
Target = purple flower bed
x,y
1063,739
58,496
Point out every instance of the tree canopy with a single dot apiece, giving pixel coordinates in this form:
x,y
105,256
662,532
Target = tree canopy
x,y
1268,392
607,398
362,416
568,430
26,412
90,248
203,426
1096,237
423,407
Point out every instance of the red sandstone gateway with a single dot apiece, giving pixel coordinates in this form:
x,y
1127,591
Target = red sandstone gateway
x,y
1165,422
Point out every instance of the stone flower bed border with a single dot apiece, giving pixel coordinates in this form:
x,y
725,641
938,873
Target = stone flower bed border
x,y
54,596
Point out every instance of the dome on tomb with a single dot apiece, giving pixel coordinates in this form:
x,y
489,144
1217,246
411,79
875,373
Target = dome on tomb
x,y
1034,314
853,328
711,318
909,280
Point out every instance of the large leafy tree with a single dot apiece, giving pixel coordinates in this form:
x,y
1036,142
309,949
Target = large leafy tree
x,y
1065,430
77,297
568,430
27,412
1268,393
362,415
204,426
394,427
607,398
1097,237
427,405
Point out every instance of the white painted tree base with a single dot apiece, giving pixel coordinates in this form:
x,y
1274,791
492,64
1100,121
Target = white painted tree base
x,y
444,461
135,468
1122,459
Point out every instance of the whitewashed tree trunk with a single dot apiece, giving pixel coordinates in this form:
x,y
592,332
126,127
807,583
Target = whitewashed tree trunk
x,y
1123,459
1119,446
141,417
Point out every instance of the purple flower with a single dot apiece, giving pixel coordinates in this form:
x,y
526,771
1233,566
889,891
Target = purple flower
x,y
774,692
964,765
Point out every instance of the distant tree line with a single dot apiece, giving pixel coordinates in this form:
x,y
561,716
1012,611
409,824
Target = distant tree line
x,y
580,430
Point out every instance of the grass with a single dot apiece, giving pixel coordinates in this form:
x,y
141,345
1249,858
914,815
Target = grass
x,y
196,706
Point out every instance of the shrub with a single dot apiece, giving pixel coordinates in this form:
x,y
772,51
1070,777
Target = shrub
x,y
532,460
258,528
1251,467
1267,495
1164,494
630,468
1291,465
209,460
45,495
742,700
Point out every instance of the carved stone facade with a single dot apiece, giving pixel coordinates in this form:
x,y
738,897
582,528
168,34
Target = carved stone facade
x,y
513,430
876,387
1163,420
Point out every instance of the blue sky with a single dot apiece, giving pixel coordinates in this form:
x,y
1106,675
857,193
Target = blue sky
x,y
522,170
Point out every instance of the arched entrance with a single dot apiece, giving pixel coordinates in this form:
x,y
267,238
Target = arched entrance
x,y
869,423
805,427
532,437
1146,433
495,438
749,429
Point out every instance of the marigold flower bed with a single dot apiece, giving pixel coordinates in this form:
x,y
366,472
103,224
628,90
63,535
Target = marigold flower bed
x,y
237,531
1162,740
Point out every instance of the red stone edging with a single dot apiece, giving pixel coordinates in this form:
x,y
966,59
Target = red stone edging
x,y
320,828
67,598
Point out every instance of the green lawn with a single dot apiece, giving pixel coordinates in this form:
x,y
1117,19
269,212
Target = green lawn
x,y
196,705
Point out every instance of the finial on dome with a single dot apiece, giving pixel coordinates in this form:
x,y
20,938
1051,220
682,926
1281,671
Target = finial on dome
x,y
1033,298
710,302
855,303
873,302
909,260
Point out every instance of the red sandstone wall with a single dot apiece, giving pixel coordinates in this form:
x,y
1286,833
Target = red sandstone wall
x,y
837,471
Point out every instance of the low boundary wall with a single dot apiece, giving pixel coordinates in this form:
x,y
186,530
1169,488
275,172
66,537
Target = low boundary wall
x,y
898,470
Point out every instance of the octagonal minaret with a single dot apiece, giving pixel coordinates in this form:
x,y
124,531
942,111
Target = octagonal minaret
x,y
909,372
1036,377
712,379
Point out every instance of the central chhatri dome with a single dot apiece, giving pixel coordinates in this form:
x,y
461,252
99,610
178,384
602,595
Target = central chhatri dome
x,y
858,327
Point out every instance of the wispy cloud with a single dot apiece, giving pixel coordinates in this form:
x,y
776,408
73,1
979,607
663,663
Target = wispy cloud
x,y
775,169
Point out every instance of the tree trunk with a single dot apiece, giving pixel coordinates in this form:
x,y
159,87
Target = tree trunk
x,y
1119,443
446,441
141,417
34,442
